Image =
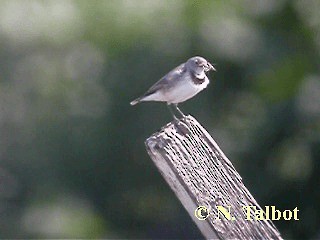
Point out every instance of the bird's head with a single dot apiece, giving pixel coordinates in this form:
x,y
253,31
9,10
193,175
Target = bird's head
x,y
199,65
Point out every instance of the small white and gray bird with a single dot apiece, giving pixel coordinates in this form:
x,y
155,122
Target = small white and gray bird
x,y
180,84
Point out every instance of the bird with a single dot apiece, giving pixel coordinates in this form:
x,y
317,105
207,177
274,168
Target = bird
x,y
179,85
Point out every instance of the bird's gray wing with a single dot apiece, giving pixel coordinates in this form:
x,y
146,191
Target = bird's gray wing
x,y
166,81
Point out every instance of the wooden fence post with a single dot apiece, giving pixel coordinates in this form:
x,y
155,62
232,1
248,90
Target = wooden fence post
x,y
201,175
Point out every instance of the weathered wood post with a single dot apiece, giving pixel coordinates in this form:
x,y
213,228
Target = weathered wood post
x,y
201,175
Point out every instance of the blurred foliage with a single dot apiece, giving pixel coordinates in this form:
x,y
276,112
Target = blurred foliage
x,y
72,156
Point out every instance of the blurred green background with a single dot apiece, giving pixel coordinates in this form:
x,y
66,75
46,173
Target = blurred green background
x,y
72,157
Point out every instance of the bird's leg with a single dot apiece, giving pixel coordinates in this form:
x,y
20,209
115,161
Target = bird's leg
x,y
180,126
178,109
172,113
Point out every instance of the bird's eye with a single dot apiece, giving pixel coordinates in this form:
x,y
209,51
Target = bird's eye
x,y
196,61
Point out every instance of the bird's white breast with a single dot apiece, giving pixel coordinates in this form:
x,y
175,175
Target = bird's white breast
x,y
184,90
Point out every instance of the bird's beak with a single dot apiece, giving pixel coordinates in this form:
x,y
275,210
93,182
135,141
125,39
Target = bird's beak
x,y
209,67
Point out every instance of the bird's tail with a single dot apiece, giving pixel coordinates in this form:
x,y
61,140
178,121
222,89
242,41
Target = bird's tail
x,y
136,101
